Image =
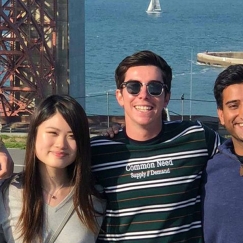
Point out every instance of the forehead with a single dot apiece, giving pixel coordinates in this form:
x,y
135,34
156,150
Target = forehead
x,y
233,92
144,73
55,120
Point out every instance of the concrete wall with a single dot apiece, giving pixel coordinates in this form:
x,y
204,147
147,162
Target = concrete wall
x,y
222,59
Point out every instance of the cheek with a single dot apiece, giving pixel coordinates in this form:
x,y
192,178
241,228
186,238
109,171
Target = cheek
x,y
38,151
227,117
124,99
42,141
73,147
39,148
40,137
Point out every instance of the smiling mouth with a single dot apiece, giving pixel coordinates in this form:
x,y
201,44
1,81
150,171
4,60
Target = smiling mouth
x,y
143,108
59,154
240,124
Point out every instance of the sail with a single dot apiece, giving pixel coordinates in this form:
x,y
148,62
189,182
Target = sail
x,y
154,6
157,5
151,6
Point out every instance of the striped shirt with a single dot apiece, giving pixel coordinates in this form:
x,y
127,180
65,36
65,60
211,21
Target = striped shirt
x,y
153,187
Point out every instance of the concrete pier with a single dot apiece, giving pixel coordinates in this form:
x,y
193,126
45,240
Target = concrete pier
x,y
220,59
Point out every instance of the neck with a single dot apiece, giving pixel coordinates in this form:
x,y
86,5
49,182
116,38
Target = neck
x,y
238,146
53,178
51,184
143,133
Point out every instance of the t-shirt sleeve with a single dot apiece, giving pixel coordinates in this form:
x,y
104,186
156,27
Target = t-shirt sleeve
x,y
213,140
2,238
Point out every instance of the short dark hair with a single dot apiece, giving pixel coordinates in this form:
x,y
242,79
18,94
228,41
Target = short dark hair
x,y
143,58
231,75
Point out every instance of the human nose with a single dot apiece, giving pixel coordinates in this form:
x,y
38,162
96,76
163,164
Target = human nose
x,y
61,142
143,90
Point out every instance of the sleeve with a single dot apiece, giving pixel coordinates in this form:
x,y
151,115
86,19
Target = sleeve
x,y
2,238
213,140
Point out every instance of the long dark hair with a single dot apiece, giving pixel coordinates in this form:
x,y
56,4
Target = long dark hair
x,y
32,218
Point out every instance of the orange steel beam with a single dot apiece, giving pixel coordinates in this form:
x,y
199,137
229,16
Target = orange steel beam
x,y
27,54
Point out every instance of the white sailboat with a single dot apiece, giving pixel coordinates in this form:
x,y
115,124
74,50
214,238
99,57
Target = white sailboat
x,y
154,7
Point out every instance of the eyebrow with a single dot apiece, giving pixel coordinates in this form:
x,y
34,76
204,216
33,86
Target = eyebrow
x,y
55,128
231,101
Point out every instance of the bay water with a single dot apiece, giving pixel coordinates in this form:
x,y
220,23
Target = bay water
x,y
115,29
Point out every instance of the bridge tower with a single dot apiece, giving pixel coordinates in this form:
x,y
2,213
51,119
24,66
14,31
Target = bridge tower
x,y
35,53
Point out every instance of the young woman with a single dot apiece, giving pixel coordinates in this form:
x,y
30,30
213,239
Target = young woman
x,y
54,198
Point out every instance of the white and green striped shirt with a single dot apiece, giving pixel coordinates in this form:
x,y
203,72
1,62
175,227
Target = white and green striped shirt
x,y
153,187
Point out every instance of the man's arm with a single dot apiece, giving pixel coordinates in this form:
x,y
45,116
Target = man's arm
x,y
6,162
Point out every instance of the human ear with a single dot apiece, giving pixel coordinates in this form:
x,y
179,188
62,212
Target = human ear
x,y
221,116
119,97
167,99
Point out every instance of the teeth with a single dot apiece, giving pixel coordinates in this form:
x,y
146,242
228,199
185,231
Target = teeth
x,y
143,108
241,124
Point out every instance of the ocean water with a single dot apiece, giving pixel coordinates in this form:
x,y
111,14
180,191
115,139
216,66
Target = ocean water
x,y
117,28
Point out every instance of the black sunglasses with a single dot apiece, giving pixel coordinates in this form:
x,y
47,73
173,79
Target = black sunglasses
x,y
154,88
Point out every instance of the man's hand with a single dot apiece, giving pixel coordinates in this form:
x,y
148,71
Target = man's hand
x,y
111,131
6,163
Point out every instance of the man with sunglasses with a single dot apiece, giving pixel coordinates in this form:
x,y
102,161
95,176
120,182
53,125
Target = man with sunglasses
x,y
151,170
